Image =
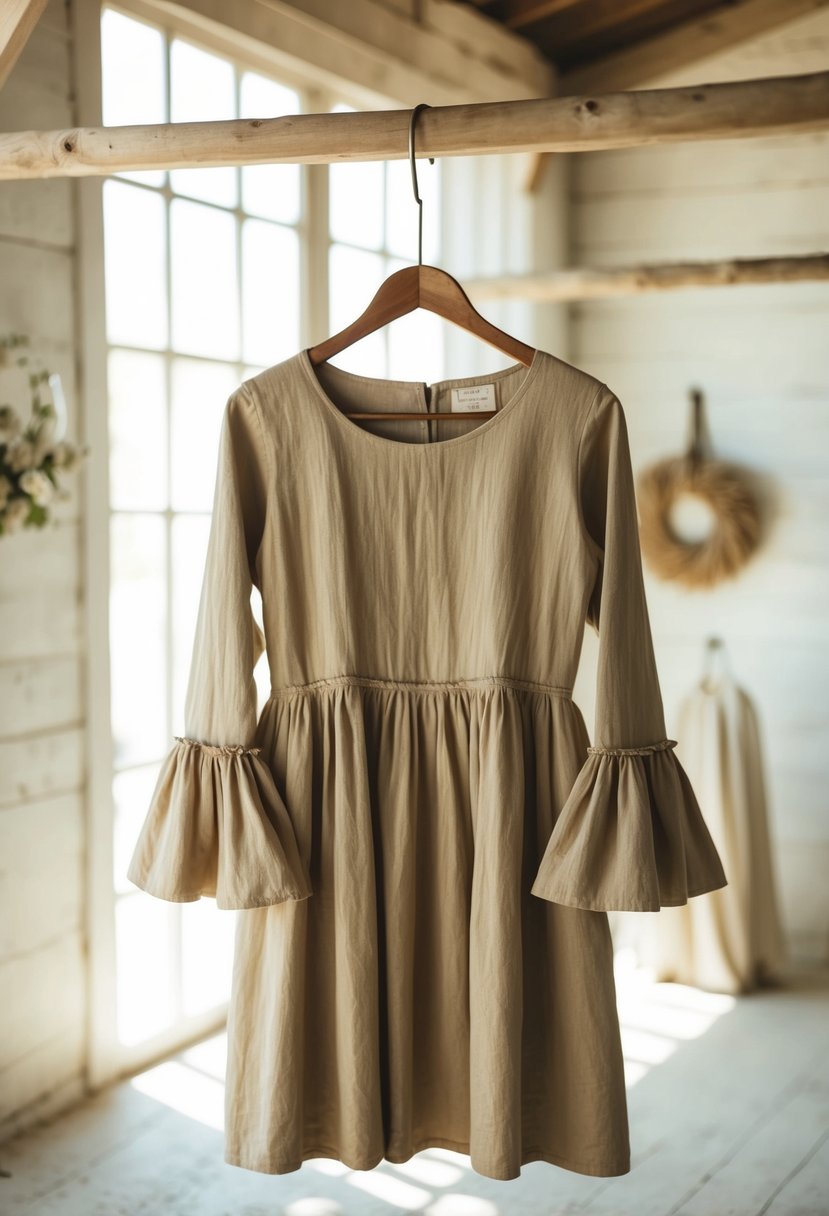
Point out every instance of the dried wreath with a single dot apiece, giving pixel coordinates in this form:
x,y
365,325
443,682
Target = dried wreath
x,y
724,488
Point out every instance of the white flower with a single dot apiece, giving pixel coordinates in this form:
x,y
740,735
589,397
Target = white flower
x,y
19,455
10,423
38,486
5,490
14,514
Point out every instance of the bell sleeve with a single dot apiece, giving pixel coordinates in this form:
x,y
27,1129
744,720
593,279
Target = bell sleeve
x,y
630,835
216,824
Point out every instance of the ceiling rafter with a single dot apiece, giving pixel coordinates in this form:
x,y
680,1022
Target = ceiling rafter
x,y
17,20
688,43
519,13
685,44
575,18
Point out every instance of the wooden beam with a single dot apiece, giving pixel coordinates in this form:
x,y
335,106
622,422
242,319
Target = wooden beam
x,y
581,284
580,25
17,20
686,44
679,48
536,169
520,13
447,54
739,109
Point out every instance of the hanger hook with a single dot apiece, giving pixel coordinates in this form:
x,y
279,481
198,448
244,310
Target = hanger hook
x,y
421,106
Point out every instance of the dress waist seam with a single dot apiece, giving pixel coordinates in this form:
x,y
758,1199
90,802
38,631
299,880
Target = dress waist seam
x,y
424,686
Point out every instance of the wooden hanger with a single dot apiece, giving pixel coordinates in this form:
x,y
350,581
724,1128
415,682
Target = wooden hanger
x,y
421,287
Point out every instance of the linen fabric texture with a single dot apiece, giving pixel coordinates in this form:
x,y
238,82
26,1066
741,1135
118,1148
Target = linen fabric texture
x,y
420,839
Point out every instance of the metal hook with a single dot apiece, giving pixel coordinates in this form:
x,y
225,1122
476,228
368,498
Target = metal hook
x,y
695,452
421,106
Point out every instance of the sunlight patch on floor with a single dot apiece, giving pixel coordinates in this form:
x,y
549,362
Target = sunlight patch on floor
x,y
656,1018
185,1089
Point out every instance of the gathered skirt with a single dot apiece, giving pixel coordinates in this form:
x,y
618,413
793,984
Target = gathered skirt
x,y
424,996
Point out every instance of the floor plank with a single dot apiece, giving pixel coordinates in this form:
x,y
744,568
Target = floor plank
x,y
805,1192
729,1115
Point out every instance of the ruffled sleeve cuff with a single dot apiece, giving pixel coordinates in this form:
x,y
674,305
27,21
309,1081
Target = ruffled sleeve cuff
x,y
218,826
630,837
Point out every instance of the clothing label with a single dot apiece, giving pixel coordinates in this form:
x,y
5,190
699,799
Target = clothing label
x,y
473,397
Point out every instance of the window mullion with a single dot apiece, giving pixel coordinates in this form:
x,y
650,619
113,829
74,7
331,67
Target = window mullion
x,y
314,256
174,916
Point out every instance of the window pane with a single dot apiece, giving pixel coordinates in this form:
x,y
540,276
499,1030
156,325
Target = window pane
x,y
204,287
270,291
135,269
354,276
189,550
131,795
132,79
199,394
402,210
137,431
355,200
261,670
207,955
137,636
356,203
416,347
272,191
202,89
143,951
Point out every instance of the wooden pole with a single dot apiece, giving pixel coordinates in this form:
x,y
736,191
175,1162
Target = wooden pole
x,y
739,109
578,284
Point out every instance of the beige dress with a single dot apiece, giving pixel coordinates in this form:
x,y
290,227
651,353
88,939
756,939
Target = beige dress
x,y
422,840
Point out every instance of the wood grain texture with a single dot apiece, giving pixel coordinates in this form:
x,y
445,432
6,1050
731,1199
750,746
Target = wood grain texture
x,y
17,20
586,284
740,109
687,44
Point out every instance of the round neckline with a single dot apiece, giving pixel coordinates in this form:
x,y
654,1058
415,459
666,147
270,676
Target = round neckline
x,y
304,360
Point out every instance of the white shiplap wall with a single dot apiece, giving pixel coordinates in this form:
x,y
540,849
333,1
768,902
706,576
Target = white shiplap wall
x,y
761,356
42,741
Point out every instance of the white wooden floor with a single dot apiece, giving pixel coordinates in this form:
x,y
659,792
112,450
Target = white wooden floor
x,y
729,1113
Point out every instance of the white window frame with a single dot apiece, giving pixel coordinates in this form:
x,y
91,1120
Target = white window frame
x,y
109,1059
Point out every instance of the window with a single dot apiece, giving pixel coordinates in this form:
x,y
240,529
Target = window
x,y
207,282
202,281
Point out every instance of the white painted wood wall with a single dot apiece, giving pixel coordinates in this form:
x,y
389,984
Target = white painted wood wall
x,y
761,356
450,55
42,741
